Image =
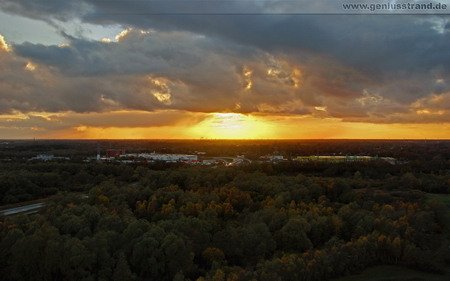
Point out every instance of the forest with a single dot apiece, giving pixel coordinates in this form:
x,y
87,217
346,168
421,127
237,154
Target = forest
x,y
262,221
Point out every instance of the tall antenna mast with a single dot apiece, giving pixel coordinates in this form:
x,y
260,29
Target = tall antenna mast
x,y
98,150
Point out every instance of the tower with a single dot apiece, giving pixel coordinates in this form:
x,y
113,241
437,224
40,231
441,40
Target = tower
x,y
98,150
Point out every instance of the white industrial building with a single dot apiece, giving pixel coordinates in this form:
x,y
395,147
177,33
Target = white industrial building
x,y
272,158
48,157
163,157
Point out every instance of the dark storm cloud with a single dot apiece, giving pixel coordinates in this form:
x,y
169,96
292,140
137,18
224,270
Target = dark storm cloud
x,y
243,56
147,71
373,44
85,58
46,10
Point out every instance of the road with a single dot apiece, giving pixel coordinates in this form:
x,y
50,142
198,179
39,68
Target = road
x,y
28,209
236,161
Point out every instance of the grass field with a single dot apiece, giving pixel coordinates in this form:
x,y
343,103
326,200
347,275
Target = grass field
x,y
444,198
393,273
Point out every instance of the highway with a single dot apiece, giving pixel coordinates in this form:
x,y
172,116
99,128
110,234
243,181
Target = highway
x,y
28,209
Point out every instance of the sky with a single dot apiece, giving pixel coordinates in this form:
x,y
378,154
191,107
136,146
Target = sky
x,y
223,69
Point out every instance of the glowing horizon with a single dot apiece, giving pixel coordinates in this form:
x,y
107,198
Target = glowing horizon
x,y
225,126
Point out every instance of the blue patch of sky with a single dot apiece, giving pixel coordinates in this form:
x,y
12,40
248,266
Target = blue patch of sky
x,y
17,30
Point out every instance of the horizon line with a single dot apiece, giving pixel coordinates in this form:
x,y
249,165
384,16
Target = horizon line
x,y
226,139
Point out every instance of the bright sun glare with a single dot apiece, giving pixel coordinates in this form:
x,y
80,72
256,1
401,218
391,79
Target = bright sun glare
x,y
233,126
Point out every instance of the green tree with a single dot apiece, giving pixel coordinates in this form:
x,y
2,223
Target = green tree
x,y
213,255
122,270
292,237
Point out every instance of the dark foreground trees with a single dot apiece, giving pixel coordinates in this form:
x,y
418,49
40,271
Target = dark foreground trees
x,y
200,223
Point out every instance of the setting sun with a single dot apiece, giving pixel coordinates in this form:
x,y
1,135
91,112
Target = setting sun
x,y
233,126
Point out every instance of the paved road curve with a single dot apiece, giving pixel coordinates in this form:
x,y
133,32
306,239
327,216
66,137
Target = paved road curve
x,y
28,209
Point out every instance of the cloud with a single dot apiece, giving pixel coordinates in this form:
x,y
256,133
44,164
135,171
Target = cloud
x,y
3,46
147,71
75,125
380,69
47,10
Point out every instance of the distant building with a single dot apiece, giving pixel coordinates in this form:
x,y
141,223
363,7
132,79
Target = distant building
x,y
335,159
114,152
272,158
44,157
48,157
165,157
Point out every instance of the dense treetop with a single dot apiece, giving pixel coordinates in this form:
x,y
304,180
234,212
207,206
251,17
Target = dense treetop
x,y
262,221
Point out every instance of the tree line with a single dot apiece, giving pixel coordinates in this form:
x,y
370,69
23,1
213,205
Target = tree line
x,y
25,181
